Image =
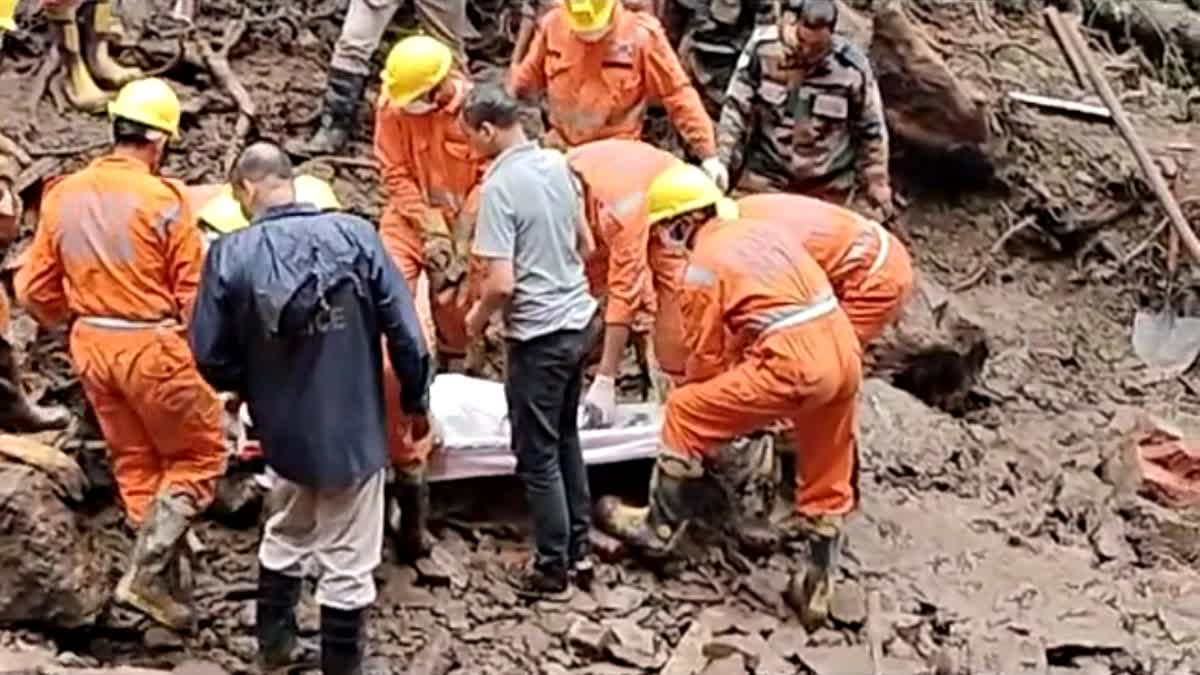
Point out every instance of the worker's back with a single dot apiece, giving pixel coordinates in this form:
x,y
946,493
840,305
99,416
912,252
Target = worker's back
x,y
125,239
617,174
761,273
303,313
840,240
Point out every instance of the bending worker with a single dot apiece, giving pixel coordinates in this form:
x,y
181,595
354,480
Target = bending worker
x,y
766,342
117,247
430,174
869,267
635,273
600,65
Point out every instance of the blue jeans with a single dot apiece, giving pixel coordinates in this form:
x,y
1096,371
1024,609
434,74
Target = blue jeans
x,y
543,386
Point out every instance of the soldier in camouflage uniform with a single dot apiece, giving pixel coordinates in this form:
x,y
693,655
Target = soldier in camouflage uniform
x,y
713,33
803,112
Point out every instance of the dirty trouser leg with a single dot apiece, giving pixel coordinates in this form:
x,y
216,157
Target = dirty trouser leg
x,y
445,20
341,530
404,246
541,376
876,301
135,463
362,31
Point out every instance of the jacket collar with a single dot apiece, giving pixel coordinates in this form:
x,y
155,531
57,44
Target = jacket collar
x,y
286,211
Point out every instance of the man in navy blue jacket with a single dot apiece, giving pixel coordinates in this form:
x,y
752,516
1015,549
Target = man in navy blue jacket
x,y
289,316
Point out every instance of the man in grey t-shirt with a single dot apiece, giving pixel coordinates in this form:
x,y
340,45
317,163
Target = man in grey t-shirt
x,y
532,233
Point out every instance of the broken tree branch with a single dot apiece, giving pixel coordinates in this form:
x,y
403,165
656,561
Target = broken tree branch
x,y
1055,21
218,63
1062,105
1149,169
13,149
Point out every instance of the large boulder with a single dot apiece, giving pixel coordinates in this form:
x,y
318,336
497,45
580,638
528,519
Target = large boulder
x,y
51,570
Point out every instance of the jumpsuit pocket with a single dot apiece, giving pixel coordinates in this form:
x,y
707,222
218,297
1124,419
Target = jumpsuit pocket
x,y
623,85
167,357
458,149
820,116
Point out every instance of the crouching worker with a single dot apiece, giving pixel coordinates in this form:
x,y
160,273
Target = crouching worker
x,y
290,316
117,248
766,341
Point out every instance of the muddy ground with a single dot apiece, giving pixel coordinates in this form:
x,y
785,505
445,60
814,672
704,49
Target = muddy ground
x,y
1011,539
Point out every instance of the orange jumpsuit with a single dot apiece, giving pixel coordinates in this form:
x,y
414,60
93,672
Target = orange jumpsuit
x,y
602,89
118,248
869,267
637,274
427,166
768,342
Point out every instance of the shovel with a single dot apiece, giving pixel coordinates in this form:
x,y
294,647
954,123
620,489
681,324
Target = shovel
x,y
1162,339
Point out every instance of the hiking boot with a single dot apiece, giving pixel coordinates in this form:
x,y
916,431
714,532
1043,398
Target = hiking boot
x,y
810,593
342,639
655,530
280,648
82,92
342,97
146,587
536,582
99,28
413,541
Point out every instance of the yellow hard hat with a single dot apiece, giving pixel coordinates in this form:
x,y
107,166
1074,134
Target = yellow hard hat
x,y
8,13
585,16
150,102
223,214
680,189
414,66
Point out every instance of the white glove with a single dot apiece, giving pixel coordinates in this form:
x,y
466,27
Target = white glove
x,y
599,408
716,171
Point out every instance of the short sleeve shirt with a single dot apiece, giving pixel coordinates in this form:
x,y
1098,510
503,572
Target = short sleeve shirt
x,y
529,213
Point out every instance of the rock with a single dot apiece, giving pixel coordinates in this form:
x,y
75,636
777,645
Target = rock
x,y
456,616
788,640
51,568
621,599
767,586
198,668
25,662
688,657
536,640
633,645
733,664
554,669
434,657
752,647
589,637
555,624
443,567
719,620
244,647
849,604
161,639
854,660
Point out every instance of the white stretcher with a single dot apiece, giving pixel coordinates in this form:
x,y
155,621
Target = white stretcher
x,y
471,416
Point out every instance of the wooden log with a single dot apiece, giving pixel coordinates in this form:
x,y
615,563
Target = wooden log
x,y
1149,22
936,350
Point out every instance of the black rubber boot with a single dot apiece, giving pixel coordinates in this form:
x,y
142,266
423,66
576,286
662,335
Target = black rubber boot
x,y
342,641
413,541
676,486
280,648
811,593
342,97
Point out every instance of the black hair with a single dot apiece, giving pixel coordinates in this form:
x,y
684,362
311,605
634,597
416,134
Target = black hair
x,y
490,103
128,132
260,161
814,13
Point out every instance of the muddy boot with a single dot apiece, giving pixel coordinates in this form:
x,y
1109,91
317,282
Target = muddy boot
x,y
17,412
748,474
145,587
280,648
655,530
342,97
81,89
342,641
413,541
99,29
811,592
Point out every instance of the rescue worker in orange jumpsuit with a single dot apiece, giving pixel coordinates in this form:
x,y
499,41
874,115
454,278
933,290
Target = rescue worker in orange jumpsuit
x,y
600,65
869,267
766,342
118,250
636,273
430,174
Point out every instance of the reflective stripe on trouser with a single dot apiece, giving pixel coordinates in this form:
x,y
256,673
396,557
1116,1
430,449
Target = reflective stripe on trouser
x,y
340,531
162,422
367,20
809,374
875,300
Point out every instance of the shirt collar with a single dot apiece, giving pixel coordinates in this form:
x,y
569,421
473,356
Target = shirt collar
x,y
285,211
519,149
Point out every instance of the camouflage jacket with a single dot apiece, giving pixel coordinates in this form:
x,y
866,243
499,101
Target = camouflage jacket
x,y
800,127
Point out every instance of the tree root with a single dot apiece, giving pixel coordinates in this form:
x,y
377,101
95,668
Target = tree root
x,y
218,64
